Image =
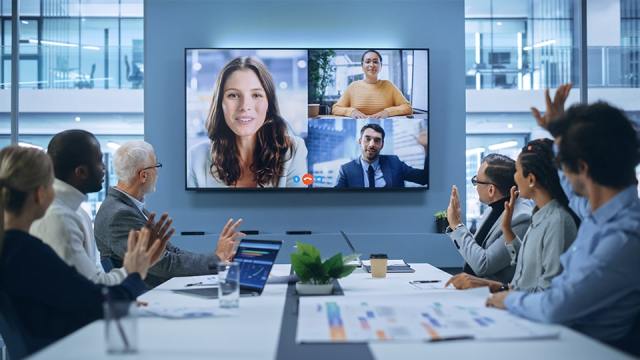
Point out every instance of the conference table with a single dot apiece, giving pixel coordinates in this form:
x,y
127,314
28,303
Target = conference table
x,y
264,327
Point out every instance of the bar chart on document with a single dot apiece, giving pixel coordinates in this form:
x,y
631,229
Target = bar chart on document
x,y
328,319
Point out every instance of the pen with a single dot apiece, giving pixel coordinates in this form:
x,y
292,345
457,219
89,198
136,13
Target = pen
x,y
424,281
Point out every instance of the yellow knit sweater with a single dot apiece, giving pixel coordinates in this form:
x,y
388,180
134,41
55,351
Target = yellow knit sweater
x,y
372,98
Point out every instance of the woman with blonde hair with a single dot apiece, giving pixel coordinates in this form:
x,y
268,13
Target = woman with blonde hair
x,y
42,299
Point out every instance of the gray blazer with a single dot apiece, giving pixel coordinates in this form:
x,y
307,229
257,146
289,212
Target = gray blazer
x,y
117,216
551,233
492,260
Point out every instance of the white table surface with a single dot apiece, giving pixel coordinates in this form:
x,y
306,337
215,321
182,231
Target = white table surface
x,y
253,333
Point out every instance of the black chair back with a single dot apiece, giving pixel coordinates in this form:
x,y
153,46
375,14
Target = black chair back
x,y
632,341
12,330
107,264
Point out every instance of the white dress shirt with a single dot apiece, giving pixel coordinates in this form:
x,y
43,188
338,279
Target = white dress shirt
x,y
378,175
67,228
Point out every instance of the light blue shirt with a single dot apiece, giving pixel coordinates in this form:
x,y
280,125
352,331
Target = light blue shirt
x,y
598,293
139,204
377,175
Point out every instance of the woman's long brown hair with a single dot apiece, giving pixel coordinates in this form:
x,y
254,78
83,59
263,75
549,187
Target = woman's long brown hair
x,y
272,142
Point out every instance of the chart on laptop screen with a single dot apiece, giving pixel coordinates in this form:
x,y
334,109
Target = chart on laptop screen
x,y
256,260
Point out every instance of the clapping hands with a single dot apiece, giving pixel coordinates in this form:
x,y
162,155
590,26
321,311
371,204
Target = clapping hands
x,y
228,240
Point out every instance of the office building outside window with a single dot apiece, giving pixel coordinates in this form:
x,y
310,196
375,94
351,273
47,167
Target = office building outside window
x,y
517,48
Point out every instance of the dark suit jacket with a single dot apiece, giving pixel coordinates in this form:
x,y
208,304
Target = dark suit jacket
x,y
394,171
116,216
43,298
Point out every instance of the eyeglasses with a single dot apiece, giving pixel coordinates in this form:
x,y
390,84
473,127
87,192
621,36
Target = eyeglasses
x,y
157,165
475,181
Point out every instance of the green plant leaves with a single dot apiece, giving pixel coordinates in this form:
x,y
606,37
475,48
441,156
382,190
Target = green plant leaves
x,y
309,267
333,266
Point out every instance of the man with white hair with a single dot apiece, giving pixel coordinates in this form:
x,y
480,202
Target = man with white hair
x,y
123,209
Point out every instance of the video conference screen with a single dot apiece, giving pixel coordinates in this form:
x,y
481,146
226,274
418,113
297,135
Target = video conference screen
x,y
307,119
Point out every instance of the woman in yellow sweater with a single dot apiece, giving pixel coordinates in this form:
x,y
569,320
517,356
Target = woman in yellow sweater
x,y
371,97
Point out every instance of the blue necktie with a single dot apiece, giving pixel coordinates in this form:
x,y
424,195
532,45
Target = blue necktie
x,y
371,176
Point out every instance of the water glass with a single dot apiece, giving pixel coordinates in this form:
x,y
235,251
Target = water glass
x,y
121,327
229,285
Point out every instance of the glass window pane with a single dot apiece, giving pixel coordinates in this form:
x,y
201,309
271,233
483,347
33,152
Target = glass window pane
x,y
99,53
614,53
132,54
108,8
79,50
131,8
60,53
29,7
514,50
6,7
5,89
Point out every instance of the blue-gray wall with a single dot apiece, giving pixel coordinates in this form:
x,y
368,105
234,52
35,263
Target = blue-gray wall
x,y
399,223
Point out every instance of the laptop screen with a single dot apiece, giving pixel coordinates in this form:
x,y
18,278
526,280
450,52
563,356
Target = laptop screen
x,y
256,257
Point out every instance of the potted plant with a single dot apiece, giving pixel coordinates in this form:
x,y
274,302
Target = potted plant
x,y
316,276
441,221
321,75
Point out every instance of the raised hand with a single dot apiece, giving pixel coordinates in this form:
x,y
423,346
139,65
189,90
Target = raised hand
x,y
423,138
453,210
555,108
508,216
228,240
139,255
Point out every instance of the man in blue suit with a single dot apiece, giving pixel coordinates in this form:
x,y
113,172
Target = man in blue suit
x,y
372,170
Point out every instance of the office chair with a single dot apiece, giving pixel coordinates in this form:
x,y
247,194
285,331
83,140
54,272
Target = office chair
x,y
631,343
11,330
107,264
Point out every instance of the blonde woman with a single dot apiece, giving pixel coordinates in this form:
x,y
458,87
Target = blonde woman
x,y
48,299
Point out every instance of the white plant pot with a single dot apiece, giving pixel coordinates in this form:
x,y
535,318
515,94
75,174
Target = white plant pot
x,y
313,289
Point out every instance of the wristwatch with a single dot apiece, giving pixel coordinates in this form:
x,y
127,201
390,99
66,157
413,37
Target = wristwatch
x,y
449,229
503,287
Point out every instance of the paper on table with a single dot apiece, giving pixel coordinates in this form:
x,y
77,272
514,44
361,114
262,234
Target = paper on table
x,y
426,317
431,286
177,312
186,282
390,262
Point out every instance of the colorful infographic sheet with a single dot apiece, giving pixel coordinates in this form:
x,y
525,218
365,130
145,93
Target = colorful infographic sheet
x,y
349,319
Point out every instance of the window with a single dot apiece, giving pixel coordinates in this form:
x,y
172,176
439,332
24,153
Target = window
x,y
517,48
514,50
81,67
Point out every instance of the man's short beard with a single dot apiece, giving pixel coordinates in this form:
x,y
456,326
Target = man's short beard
x,y
149,188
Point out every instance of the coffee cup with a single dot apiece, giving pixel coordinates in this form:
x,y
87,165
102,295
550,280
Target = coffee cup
x,y
378,265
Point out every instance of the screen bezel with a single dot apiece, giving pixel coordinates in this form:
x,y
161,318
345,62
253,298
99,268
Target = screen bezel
x,y
305,189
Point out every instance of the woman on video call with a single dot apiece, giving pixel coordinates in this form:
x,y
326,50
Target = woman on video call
x,y
371,97
250,144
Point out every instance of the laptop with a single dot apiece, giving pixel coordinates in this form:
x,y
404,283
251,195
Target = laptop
x,y
395,268
255,259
